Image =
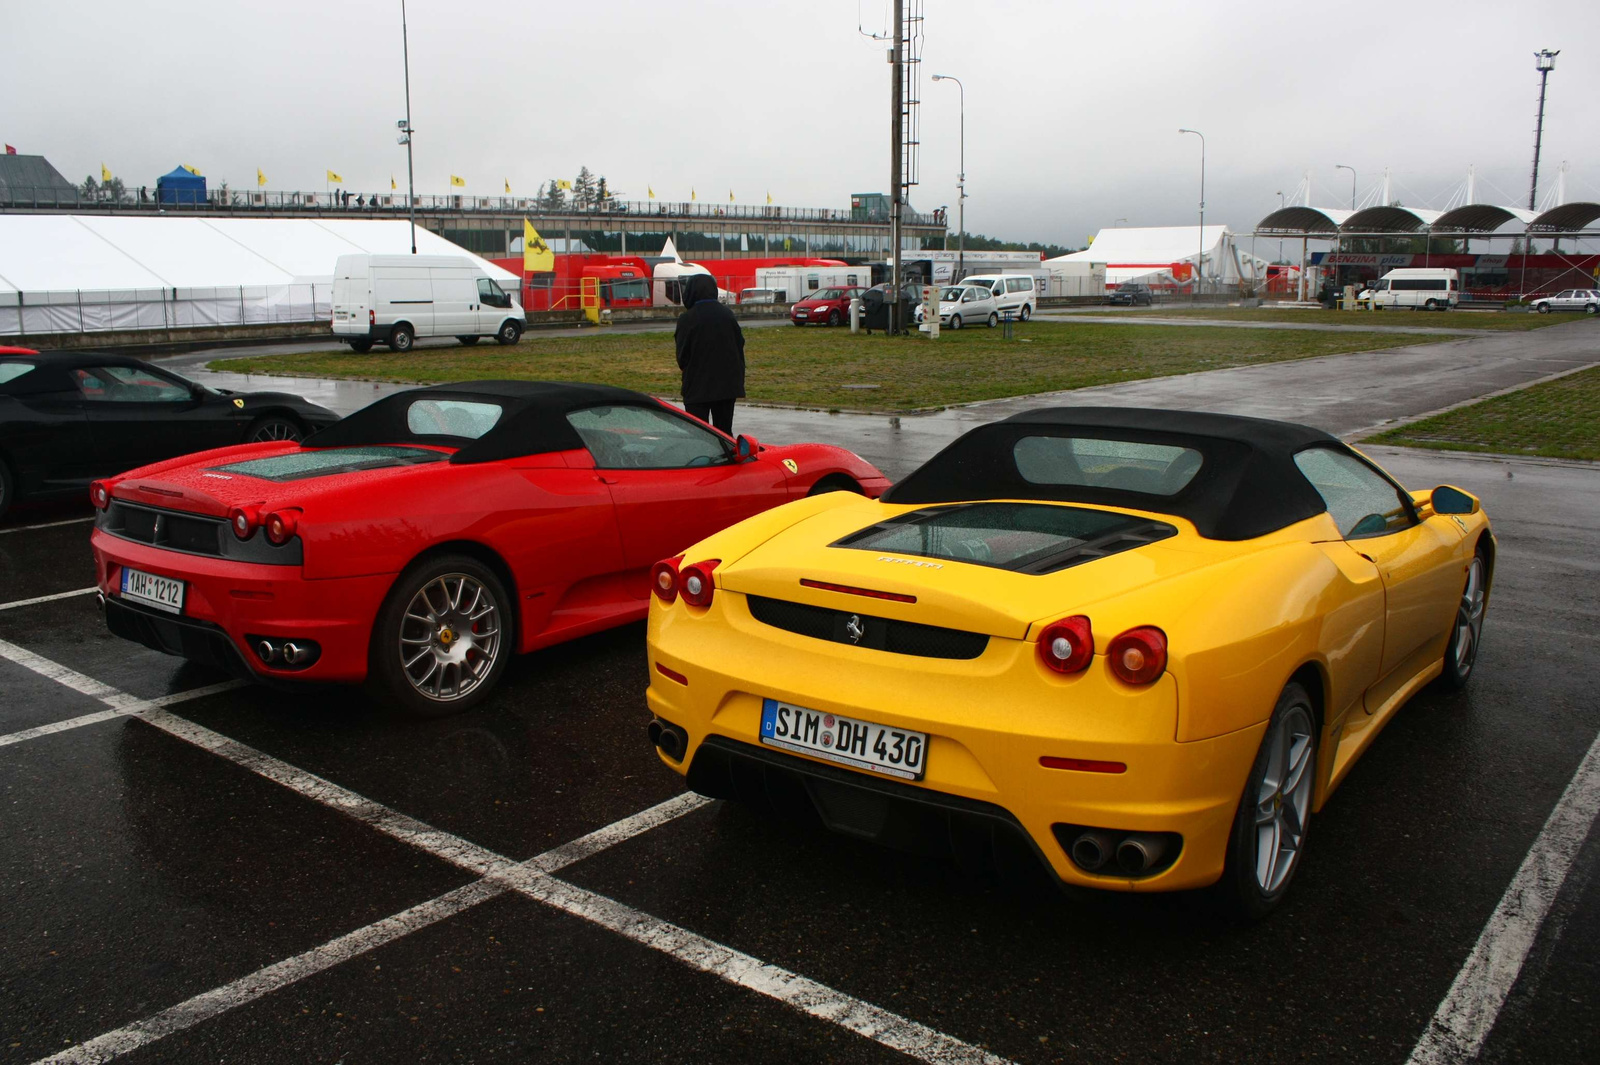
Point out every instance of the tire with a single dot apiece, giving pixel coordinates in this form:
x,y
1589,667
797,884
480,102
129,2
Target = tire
x,y
401,339
955,321
274,427
8,489
1274,811
835,482
1591,308
1461,653
1544,308
459,594
469,341
994,319
799,323
361,347
1026,312
833,317
510,332
1431,305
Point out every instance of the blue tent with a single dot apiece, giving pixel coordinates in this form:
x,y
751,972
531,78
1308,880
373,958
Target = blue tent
x,y
180,186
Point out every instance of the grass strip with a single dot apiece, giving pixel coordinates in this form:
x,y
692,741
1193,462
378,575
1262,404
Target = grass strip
x,y
1495,321
1559,419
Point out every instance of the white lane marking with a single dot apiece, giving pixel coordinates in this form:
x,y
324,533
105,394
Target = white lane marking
x,y
1465,1018
45,525
46,598
264,981
106,715
534,880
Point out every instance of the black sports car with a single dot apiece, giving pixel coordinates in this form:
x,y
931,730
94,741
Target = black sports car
x,y
1131,294
69,417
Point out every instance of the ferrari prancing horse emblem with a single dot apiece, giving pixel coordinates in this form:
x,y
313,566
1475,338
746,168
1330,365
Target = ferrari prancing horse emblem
x,y
854,629
791,465
238,403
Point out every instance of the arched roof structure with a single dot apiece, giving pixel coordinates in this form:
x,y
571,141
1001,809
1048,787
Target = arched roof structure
x,y
1389,218
1566,218
1481,217
1298,219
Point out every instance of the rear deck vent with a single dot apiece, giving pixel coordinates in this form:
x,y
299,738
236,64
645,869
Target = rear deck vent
x,y
880,634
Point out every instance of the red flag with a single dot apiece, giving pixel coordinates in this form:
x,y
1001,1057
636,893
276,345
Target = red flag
x,y
10,150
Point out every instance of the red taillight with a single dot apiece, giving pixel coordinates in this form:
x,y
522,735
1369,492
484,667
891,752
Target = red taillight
x,y
240,520
99,495
372,317
281,526
1067,646
664,579
696,582
1139,655
1082,765
672,674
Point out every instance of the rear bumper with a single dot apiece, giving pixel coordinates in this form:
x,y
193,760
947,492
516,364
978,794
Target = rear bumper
x,y
226,602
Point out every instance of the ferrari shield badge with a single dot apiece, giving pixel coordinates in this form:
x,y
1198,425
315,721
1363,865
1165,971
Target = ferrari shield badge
x,y
791,465
238,403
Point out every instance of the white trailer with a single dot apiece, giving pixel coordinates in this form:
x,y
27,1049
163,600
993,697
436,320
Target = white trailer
x,y
795,283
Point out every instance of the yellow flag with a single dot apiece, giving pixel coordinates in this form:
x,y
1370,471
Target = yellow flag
x,y
105,175
392,185
730,195
335,178
536,254
261,179
769,199
650,191
691,192
457,182
192,170
508,184
564,184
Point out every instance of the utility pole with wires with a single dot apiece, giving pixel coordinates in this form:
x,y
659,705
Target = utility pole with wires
x,y
905,61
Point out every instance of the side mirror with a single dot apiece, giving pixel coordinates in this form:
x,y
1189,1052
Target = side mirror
x,y
745,448
1448,499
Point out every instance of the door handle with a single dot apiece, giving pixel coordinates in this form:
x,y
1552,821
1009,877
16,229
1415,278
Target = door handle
x,y
604,480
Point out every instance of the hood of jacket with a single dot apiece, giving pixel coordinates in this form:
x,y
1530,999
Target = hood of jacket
x,y
697,287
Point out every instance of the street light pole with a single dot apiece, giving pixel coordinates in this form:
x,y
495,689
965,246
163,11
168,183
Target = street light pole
x,y
1544,61
406,131
1200,259
961,182
1341,166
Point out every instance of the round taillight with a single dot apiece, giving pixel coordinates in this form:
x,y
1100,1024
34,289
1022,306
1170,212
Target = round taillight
x,y
239,522
99,495
696,583
664,579
281,526
1139,656
1067,646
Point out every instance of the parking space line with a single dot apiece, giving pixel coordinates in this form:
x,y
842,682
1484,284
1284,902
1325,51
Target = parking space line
x,y
533,879
46,598
45,525
106,715
1465,1018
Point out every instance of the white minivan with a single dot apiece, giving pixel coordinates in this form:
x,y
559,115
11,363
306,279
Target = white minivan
x,y
394,299
1429,289
1017,294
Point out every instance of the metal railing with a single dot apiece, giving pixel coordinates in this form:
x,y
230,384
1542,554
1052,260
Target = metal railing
x,y
101,310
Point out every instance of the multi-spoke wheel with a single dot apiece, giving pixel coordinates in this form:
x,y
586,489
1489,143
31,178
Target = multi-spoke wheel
x,y
443,636
1462,651
1270,829
273,427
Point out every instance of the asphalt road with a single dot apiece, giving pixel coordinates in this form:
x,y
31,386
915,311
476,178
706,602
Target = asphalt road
x,y
255,875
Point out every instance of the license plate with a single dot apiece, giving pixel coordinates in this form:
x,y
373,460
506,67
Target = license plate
x,y
163,593
891,751
799,314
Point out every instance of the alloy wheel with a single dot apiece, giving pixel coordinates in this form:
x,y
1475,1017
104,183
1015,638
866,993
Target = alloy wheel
x,y
1469,619
275,429
1283,799
449,637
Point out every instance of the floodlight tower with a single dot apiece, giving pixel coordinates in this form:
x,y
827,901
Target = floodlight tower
x,y
406,131
1544,61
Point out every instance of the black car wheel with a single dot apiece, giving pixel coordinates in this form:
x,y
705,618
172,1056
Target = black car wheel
x,y
468,341
401,338
1544,308
1591,308
955,321
274,427
361,346
994,319
8,488
835,482
833,317
1026,312
1462,651
510,333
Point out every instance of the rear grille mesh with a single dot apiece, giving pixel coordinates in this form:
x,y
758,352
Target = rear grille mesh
x,y
166,528
880,634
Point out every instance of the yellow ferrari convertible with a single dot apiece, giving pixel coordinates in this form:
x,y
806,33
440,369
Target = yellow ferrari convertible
x,y
1146,644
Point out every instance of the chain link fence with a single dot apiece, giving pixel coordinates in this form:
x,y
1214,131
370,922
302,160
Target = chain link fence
x,y
90,311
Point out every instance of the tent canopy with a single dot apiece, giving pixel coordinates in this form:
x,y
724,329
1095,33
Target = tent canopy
x,y
180,186
1130,253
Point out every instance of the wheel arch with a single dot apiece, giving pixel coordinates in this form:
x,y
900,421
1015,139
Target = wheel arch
x,y
1313,677
835,480
276,412
1485,547
397,323
478,552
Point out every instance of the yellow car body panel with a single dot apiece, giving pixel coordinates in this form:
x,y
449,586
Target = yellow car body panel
x,y
1242,618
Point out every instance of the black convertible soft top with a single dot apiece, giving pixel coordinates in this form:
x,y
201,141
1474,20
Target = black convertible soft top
x,y
533,418
54,373
1248,484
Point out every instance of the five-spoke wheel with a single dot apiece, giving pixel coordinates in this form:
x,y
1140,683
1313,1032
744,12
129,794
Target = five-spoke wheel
x,y
1274,816
1462,650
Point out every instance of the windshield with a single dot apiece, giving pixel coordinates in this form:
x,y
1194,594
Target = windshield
x,y
1030,538
951,294
826,294
301,465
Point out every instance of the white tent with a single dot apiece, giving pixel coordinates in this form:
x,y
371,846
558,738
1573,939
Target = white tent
x,y
1164,256
83,273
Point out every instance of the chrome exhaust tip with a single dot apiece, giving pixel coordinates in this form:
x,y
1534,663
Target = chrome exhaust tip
x,y
100,601
266,650
293,653
1092,850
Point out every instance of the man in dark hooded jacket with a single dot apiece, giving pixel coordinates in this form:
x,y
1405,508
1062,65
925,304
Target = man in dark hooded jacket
x,y
710,354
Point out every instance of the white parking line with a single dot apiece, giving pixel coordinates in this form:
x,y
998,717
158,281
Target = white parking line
x,y
46,598
1465,1018
106,715
45,525
532,879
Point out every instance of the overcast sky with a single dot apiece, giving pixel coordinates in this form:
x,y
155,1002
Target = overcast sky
x,y
1072,107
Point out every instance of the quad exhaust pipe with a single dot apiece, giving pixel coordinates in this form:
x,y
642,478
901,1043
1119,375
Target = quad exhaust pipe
x,y
1092,850
1118,852
669,739
1140,852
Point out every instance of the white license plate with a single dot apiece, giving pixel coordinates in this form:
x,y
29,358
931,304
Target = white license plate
x,y
163,593
861,744
799,314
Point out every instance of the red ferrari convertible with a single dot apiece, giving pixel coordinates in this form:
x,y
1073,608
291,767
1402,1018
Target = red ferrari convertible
x,y
419,542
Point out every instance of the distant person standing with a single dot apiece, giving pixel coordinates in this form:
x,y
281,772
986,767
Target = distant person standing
x,y
710,354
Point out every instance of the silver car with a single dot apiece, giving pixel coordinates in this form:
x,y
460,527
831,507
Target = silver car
x,y
1572,299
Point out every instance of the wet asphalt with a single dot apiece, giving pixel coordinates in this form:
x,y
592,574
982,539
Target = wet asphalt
x,y
137,870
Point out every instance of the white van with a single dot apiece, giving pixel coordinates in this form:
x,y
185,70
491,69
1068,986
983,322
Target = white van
x,y
1432,290
1017,294
394,299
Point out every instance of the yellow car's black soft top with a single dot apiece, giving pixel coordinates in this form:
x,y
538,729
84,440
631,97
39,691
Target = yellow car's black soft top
x,y
1247,484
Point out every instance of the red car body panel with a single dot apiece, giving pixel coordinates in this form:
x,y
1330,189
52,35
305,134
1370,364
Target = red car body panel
x,y
574,543
814,311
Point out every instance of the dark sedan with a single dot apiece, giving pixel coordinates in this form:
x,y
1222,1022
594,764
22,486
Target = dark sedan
x,y
67,418
1131,294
